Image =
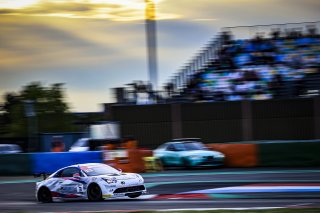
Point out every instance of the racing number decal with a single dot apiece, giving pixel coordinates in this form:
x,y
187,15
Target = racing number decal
x,y
69,187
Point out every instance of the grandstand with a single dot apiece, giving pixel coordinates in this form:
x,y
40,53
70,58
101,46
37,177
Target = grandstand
x,y
242,63
281,64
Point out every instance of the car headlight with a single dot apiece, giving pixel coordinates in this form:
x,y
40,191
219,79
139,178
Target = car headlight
x,y
139,177
220,155
109,181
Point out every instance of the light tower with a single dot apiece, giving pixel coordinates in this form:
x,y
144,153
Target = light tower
x,y
151,43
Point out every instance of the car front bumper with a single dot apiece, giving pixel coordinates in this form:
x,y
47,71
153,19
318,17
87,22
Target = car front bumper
x,y
207,161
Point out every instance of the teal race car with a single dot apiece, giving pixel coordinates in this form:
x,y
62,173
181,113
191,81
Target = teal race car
x,y
188,153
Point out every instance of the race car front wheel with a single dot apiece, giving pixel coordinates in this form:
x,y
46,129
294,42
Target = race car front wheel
x,y
94,192
186,163
44,195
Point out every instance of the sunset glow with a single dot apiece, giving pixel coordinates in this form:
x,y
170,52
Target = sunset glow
x,y
115,10
16,4
95,45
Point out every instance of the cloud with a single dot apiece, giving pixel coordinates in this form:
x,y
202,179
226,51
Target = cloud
x,y
92,46
62,9
6,11
244,12
29,43
117,11
89,55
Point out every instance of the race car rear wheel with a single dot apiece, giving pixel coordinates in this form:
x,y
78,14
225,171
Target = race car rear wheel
x,y
44,195
94,192
134,195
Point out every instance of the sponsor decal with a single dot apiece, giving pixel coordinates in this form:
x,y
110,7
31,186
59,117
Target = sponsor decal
x,y
114,180
75,180
107,196
57,194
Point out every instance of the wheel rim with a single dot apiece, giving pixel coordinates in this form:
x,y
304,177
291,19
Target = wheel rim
x,y
95,192
186,163
45,196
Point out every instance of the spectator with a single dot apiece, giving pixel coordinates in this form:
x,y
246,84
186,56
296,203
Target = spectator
x,y
275,85
259,68
57,144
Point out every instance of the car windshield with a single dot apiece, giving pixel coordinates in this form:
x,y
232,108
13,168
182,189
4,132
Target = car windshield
x,y
188,146
80,143
99,170
3,148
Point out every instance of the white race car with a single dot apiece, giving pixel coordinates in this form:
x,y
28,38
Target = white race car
x,y
92,181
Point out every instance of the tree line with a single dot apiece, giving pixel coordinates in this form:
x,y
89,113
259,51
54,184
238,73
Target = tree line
x,y
47,107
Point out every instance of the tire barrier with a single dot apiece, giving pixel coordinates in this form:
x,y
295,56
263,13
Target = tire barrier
x,y
131,162
237,155
128,160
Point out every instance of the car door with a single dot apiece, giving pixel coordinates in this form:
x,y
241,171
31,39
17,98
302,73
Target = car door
x,y
171,156
70,182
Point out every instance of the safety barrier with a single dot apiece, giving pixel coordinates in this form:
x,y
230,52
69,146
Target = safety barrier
x,y
46,162
276,153
51,161
16,164
237,155
289,154
270,153
128,160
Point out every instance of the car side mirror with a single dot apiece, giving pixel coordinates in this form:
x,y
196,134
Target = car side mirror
x,y
120,170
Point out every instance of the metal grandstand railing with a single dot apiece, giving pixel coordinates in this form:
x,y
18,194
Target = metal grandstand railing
x,y
196,64
245,32
210,51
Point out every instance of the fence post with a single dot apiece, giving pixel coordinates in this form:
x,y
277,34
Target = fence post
x,y
246,120
176,124
316,117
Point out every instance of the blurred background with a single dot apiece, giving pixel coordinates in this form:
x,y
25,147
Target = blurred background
x,y
146,85
221,71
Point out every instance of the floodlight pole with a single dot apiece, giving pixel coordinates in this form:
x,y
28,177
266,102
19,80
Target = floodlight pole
x,y
151,43
30,114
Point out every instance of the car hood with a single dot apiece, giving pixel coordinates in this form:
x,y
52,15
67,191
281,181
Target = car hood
x,y
200,153
78,149
122,176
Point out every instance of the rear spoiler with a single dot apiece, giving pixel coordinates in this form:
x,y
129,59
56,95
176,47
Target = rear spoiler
x,y
43,175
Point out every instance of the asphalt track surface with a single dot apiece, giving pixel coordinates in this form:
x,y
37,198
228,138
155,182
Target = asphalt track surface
x,y
174,189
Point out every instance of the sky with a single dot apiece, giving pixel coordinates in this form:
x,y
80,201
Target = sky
x,y
94,45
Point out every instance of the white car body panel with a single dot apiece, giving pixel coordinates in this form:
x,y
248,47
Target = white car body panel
x,y
63,188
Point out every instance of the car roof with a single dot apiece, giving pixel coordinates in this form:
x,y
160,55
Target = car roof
x,y
81,165
186,139
86,164
8,145
177,142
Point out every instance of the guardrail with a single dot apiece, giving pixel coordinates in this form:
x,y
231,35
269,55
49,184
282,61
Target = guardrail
x,y
269,153
277,154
